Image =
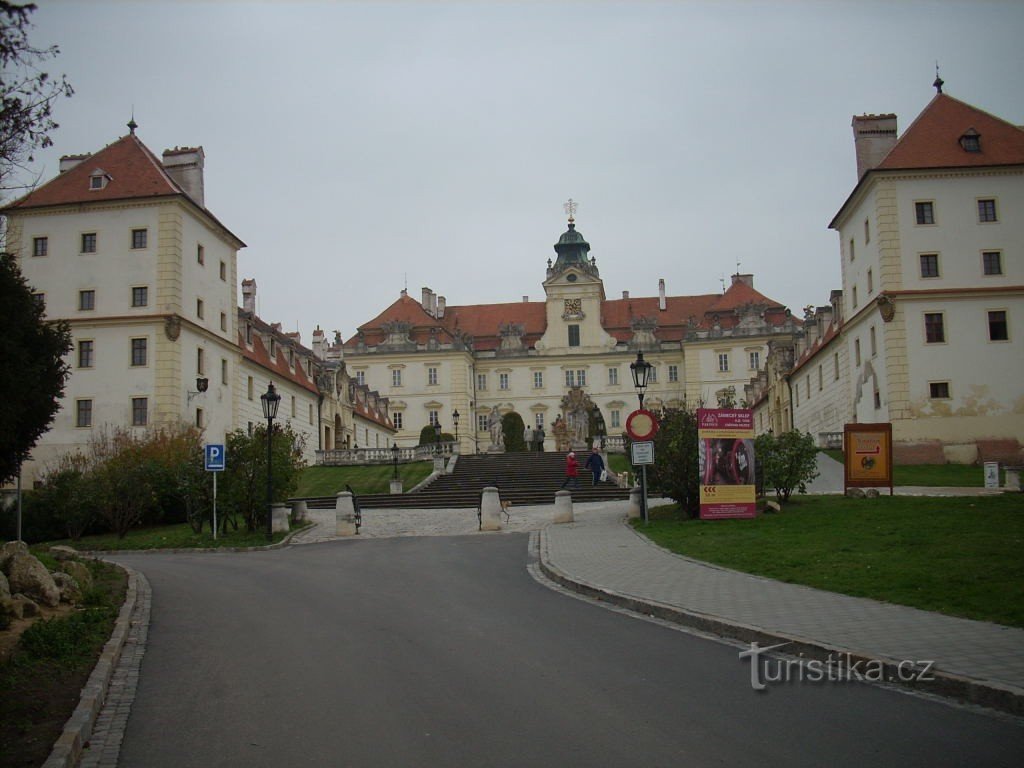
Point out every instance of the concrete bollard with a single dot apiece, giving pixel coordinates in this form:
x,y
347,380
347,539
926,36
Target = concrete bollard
x,y
439,464
279,518
490,510
345,515
634,503
396,487
563,507
300,511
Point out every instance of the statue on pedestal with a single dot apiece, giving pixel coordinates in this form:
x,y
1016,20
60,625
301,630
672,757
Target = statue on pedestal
x,y
561,434
497,437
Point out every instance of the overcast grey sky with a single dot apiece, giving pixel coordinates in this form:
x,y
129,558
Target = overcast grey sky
x,y
353,144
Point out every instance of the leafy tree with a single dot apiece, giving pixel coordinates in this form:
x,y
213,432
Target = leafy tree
x,y
69,493
28,93
427,436
512,427
789,461
676,469
125,485
244,488
33,372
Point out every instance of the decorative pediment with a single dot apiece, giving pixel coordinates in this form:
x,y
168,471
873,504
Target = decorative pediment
x,y
644,330
397,335
511,337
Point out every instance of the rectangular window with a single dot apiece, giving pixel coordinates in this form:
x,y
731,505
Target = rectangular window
x,y
673,373
878,399
87,300
871,282
293,406
200,361
581,378
808,382
223,321
138,352
89,242
83,413
223,271
835,365
502,381
481,382
987,210
538,379
998,329
249,427
249,386
938,390
723,362
361,378
273,348
396,419
568,378
200,254
140,411
821,379
140,238
867,232
934,328
574,335
85,350
992,262
140,296
291,358
613,376
248,334
929,265
223,371
40,246
856,351
796,395
396,377
615,417
481,422
199,418
432,376
432,417
199,308
925,212
874,346
855,297
755,360
538,419
652,377
853,250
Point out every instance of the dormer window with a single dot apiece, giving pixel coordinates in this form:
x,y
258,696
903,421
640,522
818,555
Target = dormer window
x,y
971,141
98,179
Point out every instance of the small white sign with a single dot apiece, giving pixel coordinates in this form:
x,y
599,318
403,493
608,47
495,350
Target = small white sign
x,y
642,453
991,474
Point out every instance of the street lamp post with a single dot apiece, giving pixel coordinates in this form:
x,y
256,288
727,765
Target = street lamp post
x,y
455,421
270,400
599,427
437,437
394,457
641,371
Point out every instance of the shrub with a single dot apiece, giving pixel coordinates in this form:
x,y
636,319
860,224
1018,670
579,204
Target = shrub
x,y
789,461
676,470
243,484
64,639
512,427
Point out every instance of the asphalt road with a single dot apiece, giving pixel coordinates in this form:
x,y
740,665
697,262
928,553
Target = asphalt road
x,y
444,651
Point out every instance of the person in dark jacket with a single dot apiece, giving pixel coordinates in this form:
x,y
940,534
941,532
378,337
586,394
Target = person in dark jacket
x,y
595,464
572,471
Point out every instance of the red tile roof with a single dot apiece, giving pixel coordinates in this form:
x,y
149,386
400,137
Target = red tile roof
x,y
279,367
933,139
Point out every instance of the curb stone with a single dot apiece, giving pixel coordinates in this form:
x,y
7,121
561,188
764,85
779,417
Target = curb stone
x,y
988,694
67,751
286,541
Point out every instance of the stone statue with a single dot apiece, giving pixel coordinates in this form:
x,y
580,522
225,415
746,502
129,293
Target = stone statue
x,y
494,425
561,433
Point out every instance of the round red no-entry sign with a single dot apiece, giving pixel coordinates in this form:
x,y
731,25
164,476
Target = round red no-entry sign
x,y
641,424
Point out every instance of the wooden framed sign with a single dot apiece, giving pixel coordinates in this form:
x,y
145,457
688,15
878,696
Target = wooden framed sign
x,y
867,453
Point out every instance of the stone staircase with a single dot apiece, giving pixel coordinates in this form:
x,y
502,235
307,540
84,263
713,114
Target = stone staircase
x,y
522,478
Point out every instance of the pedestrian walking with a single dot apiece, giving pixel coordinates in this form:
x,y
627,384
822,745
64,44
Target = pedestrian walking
x,y
596,465
539,436
572,472
528,437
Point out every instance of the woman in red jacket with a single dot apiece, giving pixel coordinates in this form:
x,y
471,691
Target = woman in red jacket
x,y
572,471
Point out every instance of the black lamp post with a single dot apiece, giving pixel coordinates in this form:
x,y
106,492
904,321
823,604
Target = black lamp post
x,y
270,400
599,426
394,457
437,437
455,421
641,371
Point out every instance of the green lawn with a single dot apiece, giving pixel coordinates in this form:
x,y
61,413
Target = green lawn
x,y
376,478
960,556
180,536
950,475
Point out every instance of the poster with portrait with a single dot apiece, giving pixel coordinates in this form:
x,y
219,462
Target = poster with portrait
x,y
726,460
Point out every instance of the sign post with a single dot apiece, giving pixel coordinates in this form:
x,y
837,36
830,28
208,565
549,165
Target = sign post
x,y
642,426
215,459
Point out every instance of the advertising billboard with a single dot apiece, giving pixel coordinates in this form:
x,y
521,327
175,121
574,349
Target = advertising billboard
x,y
726,456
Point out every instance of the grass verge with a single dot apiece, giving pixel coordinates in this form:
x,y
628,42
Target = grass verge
x,y
959,556
40,684
180,536
375,478
933,475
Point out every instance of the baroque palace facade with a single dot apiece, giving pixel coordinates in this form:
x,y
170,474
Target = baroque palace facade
x,y
540,358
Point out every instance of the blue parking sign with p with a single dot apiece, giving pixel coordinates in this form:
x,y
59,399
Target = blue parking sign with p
x,y
215,457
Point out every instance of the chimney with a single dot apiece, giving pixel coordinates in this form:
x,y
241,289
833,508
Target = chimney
x,y
526,299
625,294
318,343
811,331
662,303
425,300
441,304
185,166
873,137
747,280
67,162
836,300
249,296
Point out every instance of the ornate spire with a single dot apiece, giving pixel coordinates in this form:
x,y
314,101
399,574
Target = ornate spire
x,y
937,85
132,125
570,208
